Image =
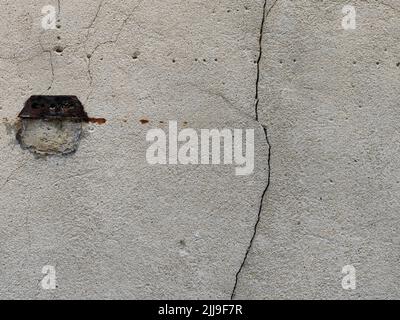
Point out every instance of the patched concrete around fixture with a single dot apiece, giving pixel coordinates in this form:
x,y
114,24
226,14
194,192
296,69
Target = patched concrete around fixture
x,y
50,137
51,124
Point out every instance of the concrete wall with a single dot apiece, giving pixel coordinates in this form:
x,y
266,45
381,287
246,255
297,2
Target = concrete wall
x,y
322,100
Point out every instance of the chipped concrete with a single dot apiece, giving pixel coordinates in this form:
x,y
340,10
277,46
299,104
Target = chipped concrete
x,y
323,194
50,137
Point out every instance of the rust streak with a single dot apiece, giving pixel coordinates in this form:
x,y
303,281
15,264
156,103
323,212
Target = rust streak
x,y
97,120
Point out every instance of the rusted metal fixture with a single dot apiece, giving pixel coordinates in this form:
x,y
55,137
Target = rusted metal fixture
x,y
54,108
52,125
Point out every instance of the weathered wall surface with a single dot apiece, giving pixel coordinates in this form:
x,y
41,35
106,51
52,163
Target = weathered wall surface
x,y
323,194
329,99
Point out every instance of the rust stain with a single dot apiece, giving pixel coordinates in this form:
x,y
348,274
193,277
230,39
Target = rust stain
x,y
97,120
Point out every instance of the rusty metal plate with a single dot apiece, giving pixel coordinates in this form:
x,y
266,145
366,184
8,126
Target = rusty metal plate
x,y
54,108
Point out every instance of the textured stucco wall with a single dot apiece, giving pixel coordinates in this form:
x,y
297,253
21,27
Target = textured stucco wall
x,y
323,102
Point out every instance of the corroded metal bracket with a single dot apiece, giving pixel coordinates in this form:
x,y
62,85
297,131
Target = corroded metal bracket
x,y
54,108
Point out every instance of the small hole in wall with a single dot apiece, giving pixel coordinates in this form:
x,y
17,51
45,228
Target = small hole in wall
x,y
88,55
59,49
58,38
135,55
173,60
398,64
378,63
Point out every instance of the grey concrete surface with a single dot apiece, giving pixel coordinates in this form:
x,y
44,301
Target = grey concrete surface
x,y
329,99
324,192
